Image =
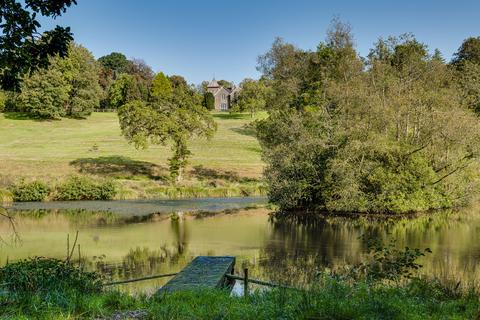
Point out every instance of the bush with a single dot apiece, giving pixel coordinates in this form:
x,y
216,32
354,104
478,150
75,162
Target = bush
x,y
3,100
209,101
5,196
30,191
84,188
43,275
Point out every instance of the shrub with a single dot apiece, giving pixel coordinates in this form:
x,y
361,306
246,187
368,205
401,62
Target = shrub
x,y
43,275
5,196
84,188
30,191
3,100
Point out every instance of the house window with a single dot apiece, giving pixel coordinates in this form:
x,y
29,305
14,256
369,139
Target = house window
x,y
223,106
224,96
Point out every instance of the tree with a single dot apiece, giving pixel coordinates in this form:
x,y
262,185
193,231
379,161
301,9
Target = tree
x,y
69,87
209,101
115,62
81,73
143,74
468,51
386,134
174,116
123,90
467,63
45,93
251,97
161,87
22,49
226,84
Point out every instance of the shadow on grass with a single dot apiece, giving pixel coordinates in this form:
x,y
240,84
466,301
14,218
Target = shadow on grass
x,y
230,116
118,166
246,131
21,116
202,173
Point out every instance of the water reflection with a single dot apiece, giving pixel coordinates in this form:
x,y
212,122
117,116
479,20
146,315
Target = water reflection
x,y
283,252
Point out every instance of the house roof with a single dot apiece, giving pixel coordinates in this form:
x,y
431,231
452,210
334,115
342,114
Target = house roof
x,y
213,84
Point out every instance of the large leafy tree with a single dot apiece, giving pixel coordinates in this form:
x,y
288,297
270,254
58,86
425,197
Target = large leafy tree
x,y
174,115
81,73
468,51
123,90
467,63
384,134
69,87
115,62
252,96
45,93
162,88
22,48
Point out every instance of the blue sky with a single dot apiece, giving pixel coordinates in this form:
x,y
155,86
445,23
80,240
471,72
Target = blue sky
x,y
199,39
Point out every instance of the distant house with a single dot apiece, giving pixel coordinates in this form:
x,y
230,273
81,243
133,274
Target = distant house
x,y
223,96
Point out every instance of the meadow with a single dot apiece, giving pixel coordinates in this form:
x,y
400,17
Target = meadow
x,y
53,150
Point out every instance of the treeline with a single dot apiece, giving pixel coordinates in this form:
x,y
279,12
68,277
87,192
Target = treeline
x,y
394,132
75,85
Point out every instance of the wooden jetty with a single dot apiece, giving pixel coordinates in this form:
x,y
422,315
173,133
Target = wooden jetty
x,y
203,272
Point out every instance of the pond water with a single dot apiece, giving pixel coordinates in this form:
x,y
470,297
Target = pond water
x,y
124,246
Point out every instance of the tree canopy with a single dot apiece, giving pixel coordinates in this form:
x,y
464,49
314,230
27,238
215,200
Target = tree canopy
x,y
69,87
22,49
384,134
174,115
251,97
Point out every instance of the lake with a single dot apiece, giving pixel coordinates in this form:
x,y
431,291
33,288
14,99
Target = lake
x,y
138,238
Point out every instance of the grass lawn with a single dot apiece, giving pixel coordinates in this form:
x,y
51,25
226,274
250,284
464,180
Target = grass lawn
x,y
50,150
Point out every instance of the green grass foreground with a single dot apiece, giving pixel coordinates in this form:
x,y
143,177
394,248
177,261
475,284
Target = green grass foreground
x,y
333,299
51,151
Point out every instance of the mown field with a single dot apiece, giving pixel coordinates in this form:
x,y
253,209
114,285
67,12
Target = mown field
x,y
52,150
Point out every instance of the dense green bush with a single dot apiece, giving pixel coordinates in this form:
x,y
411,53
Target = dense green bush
x,y
43,276
85,188
30,191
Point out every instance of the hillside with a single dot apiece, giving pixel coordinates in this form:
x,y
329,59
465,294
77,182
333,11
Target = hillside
x,y
52,150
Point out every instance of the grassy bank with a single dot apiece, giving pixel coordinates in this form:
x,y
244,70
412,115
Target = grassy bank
x,y
383,288
51,151
331,299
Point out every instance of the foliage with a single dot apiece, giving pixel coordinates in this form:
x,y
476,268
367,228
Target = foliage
x,y
251,97
5,196
226,84
115,62
68,88
123,90
388,262
388,135
3,100
468,75
469,51
161,87
84,188
30,191
41,276
45,94
175,115
209,101
22,49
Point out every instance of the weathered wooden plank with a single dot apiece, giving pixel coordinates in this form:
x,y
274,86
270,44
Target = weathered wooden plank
x,y
202,272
